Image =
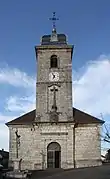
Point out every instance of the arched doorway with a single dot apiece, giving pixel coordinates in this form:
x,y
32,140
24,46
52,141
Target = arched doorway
x,y
53,155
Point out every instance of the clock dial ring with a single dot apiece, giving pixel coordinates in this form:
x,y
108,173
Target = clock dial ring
x,y
54,76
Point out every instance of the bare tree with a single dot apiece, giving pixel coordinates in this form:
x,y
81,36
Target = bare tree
x,y
106,139
106,133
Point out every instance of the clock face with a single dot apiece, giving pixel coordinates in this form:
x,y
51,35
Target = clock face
x,y
54,76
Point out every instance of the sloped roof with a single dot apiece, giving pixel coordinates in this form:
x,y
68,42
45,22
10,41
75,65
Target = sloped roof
x,y
84,118
80,117
27,118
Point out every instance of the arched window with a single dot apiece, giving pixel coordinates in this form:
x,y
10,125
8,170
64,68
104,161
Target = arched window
x,y
53,61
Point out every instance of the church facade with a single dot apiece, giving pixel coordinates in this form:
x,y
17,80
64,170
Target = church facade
x,y
55,134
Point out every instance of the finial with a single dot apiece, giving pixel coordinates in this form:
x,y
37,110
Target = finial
x,y
54,19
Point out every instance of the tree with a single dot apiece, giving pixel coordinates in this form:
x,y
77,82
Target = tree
x,y
106,138
107,133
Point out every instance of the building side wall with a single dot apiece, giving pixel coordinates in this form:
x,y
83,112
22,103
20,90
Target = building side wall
x,y
12,145
88,146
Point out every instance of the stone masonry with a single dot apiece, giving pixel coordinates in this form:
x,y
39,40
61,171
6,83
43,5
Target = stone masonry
x,y
64,96
77,133
34,142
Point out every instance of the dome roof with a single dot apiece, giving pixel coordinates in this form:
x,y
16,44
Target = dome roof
x,y
53,40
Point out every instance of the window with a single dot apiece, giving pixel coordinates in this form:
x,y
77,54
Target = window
x,y
53,61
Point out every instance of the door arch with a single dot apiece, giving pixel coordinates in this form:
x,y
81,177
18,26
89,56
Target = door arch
x,y
53,155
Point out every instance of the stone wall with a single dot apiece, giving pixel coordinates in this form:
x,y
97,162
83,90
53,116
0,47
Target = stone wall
x,y
64,95
34,142
12,145
88,145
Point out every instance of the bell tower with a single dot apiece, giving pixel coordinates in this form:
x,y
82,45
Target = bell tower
x,y
54,78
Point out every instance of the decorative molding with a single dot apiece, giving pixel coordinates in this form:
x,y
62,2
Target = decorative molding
x,y
54,133
56,83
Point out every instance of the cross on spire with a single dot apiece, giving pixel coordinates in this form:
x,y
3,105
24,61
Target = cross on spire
x,y
54,19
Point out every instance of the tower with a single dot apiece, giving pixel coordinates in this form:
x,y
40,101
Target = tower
x,y
54,78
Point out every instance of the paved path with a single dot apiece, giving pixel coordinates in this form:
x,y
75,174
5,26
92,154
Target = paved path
x,y
102,172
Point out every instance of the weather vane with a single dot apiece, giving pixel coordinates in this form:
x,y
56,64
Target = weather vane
x,y
54,19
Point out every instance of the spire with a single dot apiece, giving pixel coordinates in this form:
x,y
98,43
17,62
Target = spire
x,y
54,19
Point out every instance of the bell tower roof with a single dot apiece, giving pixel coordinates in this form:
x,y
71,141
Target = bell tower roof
x,y
57,39
54,38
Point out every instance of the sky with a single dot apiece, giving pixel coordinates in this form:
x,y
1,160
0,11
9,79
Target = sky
x,y
87,26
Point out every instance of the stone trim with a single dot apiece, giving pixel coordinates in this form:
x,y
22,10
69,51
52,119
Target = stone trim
x,y
53,83
87,125
54,133
40,47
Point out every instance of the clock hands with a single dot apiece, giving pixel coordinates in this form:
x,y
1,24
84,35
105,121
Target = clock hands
x,y
53,75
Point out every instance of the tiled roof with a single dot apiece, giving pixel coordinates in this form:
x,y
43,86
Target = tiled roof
x,y
79,117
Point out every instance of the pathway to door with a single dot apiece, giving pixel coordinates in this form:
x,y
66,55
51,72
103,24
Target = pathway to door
x,y
53,155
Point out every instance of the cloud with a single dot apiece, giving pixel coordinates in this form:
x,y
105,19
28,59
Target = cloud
x,y
5,118
22,100
91,89
22,104
16,78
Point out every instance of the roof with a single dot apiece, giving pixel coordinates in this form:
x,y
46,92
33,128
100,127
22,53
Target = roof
x,y
27,118
79,117
46,40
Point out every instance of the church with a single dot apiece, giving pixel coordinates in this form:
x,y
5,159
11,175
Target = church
x,y
55,134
